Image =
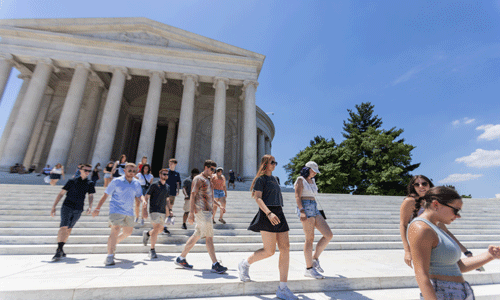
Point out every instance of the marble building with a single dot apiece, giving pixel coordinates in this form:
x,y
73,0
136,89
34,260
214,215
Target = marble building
x,y
96,88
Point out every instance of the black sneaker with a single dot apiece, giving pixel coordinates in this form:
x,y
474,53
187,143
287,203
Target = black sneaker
x,y
152,254
184,226
218,268
63,254
165,230
57,256
183,263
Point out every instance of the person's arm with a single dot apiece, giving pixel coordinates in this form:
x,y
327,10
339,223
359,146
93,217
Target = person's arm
x,y
178,183
271,216
151,180
91,200
472,263
58,198
62,172
184,191
422,239
462,247
97,209
192,205
225,189
114,167
136,176
145,206
299,186
405,213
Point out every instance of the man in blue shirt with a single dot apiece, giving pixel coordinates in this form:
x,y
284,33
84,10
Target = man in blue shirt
x,y
71,210
124,191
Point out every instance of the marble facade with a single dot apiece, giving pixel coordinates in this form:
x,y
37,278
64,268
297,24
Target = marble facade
x,y
96,88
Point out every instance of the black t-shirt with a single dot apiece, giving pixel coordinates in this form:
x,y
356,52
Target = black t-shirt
x,y
158,195
188,182
173,178
77,188
271,191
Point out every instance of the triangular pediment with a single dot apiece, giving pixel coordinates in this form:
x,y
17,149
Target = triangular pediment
x,y
135,31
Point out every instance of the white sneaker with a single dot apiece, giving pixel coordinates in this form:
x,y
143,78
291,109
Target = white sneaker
x,y
285,294
243,271
317,266
313,274
110,260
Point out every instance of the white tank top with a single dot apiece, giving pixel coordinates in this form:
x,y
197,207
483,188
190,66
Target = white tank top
x,y
309,190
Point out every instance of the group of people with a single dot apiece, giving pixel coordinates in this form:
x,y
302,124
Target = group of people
x,y
430,248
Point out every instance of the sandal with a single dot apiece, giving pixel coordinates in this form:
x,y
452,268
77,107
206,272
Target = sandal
x,y
222,221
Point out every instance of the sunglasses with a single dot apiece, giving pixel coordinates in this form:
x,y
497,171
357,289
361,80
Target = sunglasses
x,y
87,171
131,171
274,163
456,211
213,169
423,184
164,174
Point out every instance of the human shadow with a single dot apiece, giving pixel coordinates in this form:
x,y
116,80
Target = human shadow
x,y
161,258
207,274
66,260
120,264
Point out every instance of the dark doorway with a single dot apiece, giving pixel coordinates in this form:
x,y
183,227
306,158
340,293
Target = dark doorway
x,y
159,150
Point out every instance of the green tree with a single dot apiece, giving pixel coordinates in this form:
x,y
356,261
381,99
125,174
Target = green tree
x,y
361,120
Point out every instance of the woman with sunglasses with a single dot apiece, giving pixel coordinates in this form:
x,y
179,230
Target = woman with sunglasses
x,y
436,255
305,196
418,186
271,223
145,179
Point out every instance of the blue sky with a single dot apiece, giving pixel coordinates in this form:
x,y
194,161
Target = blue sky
x,y
431,68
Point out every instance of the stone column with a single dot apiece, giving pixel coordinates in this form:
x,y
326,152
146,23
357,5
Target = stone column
x,y
37,130
107,129
69,116
14,112
268,146
184,135
169,143
150,119
16,146
249,130
6,63
261,141
219,121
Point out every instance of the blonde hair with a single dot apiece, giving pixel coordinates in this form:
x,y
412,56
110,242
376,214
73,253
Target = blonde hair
x,y
264,162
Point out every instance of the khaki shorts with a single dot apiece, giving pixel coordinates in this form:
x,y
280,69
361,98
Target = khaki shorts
x,y
204,226
157,217
121,220
187,205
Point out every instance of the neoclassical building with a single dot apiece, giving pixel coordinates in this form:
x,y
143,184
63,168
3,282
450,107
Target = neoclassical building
x,y
96,88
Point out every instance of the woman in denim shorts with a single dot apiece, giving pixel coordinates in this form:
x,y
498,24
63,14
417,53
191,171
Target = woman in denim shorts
x,y
436,256
305,195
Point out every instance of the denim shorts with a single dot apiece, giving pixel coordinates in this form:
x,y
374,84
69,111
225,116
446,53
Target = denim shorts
x,y
310,207
69,216
219,194
449,290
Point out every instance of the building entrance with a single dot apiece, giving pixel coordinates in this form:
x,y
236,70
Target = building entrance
x,y
159,150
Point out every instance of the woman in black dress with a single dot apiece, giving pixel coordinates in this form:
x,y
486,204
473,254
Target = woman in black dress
x,y
271,223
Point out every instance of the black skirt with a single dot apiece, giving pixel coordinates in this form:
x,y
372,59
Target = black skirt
x,y
55,176
261,222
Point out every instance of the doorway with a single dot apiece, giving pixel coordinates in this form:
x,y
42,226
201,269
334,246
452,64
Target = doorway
x,y
159,150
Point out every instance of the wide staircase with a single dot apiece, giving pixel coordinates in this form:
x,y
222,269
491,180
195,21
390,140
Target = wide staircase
x,y
362,225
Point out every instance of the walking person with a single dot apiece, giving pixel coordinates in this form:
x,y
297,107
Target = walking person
x,y
77,171
145,179
417,187
119,166
174,183
56,174
95,173
71,209
232,178
306,192
108,173
270,221
202,199
220,192
157,195
123,190
436,256
186,190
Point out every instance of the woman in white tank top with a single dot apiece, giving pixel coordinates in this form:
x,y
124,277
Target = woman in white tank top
x,y
305,195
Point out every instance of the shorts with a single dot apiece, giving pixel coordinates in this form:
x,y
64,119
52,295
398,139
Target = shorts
x,y
144,189
204,226
187,205
219,194
231,181
55,176
311,208
69,216
449,290
121,220
157,217
107,175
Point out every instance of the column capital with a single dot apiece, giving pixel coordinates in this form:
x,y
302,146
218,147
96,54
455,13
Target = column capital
x,y
194,77
8,57
123,70
25,75
223,79
246,83
85,65
49,62
161,74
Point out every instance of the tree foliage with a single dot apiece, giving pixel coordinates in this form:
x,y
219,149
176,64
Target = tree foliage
x,y
370,161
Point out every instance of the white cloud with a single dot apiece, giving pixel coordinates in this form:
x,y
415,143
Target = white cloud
x,y
463,121
408,75
481,159
460,177
497,196
491,132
